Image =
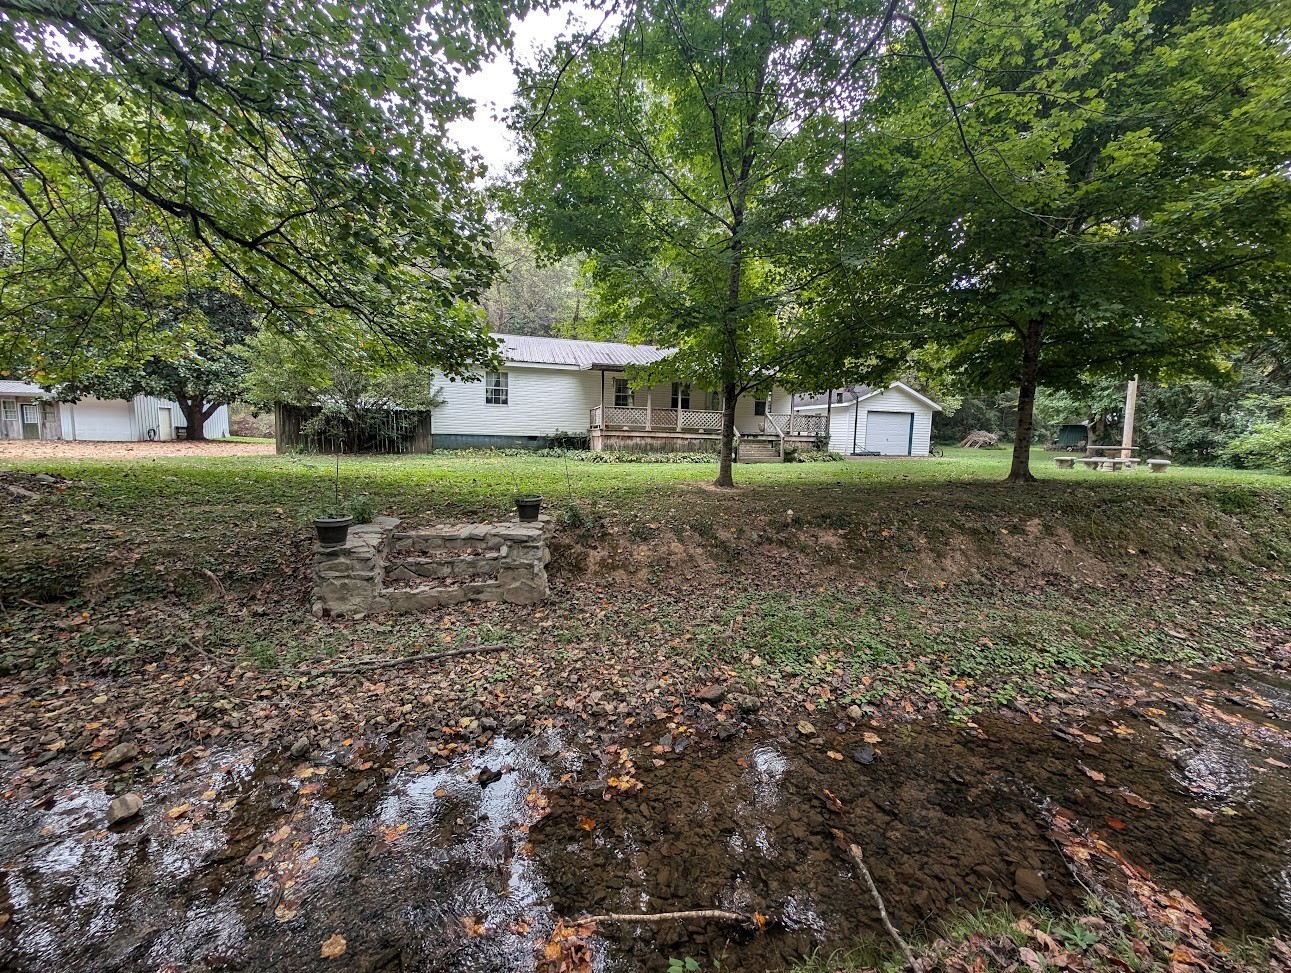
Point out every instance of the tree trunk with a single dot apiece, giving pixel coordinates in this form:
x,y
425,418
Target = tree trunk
x,y
194,417
729,398
1020,471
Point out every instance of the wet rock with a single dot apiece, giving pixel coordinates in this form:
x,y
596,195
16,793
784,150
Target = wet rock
x,y
363,786
727,731
713,694
855,713
516,723
744,703
119,754
1030,886
488,775
124,808
863,755
301,748
806,729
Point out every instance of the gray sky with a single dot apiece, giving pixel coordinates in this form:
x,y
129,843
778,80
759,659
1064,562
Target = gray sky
x,y
493,88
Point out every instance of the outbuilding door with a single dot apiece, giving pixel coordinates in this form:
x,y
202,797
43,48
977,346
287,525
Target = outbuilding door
x,y
30,420
889,433
165,424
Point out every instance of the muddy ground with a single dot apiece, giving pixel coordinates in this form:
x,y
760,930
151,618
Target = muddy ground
x,y
424,855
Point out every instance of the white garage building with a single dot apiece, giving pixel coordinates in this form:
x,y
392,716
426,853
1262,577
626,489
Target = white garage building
x,y
29,412
892,421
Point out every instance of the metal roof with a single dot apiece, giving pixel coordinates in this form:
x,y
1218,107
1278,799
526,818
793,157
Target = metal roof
x,y
849,395
583,354
10,387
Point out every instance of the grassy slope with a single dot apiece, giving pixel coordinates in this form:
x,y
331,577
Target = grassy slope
x,y
863,581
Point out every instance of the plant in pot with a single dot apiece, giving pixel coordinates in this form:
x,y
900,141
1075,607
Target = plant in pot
x,y
528,505
332,523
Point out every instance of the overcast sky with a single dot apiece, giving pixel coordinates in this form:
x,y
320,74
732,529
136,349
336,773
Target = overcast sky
x,y
493,88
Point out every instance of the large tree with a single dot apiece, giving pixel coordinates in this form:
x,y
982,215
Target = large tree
x,y
691,151
302,145
203,367
1077,189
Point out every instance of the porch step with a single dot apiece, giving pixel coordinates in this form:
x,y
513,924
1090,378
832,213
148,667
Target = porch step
x,y
759,451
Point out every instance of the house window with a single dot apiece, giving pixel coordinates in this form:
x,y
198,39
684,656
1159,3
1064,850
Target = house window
x,y
623,395
10,410
715,401
47,411
838,396
495,388
680,396
759,407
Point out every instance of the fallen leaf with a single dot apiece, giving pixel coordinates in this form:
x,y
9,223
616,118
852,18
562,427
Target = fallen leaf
x,y
287,910
333,947
176,812
834,755
472,926
1094,775
587,824
1133,800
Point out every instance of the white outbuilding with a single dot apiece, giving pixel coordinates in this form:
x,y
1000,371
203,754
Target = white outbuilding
x,y
29,412
892,421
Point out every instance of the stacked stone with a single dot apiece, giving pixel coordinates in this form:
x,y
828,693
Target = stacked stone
x,y
512,568
348,578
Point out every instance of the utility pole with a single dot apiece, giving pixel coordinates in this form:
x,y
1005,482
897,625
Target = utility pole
x,y
1127,426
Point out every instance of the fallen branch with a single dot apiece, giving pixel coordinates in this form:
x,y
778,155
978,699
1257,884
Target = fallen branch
x,y
363,665
859,858
670,916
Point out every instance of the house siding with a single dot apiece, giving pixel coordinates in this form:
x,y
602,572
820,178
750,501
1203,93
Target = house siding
x,y
540,401
544,399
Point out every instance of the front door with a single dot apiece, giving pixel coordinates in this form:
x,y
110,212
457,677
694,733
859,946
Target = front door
x,y
30,420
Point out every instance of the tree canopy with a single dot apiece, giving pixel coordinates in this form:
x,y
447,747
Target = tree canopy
x,y
301,145
689,150
1076,190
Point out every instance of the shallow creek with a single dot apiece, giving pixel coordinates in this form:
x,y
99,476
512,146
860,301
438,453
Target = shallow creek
x,y
246,861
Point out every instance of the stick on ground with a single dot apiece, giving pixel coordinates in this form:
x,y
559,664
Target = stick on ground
x,y
669,916
859,858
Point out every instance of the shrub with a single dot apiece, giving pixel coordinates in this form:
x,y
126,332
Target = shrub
x,y
1266,446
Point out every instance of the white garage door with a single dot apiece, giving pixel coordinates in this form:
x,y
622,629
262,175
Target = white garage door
x,y
889,432
102,419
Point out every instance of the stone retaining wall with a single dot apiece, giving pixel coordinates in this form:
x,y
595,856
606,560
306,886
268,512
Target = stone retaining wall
x,y
380,568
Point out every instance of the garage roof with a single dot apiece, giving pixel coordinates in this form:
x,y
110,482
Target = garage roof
x,y
864,392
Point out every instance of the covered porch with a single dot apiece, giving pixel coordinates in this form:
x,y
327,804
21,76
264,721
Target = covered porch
x,y
676,418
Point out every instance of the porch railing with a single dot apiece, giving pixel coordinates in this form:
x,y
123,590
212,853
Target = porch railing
x,y
798,424
655,420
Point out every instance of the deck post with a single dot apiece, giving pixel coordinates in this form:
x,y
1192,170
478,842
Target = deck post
x,y
679,394
603,400
649,411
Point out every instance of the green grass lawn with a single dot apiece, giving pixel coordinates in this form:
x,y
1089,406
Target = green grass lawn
x,y
911,576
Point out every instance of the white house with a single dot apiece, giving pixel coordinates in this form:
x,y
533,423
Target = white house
x,y
554,385
892,421
29,412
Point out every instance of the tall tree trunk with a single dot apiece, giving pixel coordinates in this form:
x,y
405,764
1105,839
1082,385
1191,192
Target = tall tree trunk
x,y
1020,471
729,398
194,417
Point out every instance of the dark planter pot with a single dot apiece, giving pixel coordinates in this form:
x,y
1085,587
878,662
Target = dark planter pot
x,y
527,508
332,530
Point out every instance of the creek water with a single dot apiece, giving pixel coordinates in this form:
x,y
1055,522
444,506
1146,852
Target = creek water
x,y
248,861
